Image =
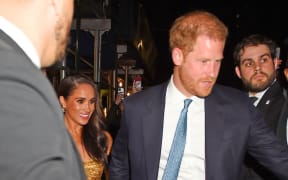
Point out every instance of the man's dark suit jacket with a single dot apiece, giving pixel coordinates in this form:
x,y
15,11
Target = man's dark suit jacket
x,y
232,127
273,108
272,105
35,143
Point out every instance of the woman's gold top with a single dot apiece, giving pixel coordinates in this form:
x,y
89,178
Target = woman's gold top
x,y
93,170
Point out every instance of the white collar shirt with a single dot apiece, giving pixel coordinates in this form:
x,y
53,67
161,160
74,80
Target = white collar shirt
x,y
21,39
193,161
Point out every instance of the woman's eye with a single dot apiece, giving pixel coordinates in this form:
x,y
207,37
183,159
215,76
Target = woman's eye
x,y
92,101
80,101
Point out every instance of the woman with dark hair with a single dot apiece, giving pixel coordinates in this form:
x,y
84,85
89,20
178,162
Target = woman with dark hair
x,y
83,116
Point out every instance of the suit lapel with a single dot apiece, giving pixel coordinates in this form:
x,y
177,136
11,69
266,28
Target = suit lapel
x,y
273,92
153,129
214,129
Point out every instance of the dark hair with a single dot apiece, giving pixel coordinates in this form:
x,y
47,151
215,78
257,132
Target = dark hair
x,y
93,136
253,40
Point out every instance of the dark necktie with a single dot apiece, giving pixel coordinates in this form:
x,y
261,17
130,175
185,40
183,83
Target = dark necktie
x,y
178,145
253,99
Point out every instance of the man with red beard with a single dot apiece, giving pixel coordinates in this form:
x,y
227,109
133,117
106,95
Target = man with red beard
x,y
256,63
190,127
34,141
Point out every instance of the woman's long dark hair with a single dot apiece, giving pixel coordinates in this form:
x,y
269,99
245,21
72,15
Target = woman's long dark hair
x,y
93,136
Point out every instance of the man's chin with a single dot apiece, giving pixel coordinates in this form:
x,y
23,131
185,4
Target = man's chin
x,y
204,93
257,88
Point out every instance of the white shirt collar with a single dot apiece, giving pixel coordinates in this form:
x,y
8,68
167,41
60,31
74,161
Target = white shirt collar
x,y
21,39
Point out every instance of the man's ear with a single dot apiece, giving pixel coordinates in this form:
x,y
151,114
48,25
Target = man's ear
x,y
237,71
177,56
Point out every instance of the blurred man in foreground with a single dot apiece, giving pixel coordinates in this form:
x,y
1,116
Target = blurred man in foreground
x,y
34,141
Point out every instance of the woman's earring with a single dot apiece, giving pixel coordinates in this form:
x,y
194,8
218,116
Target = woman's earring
x,y
63,109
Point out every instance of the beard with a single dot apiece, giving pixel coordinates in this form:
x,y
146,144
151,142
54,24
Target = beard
x,y
256,87
62,31
196,86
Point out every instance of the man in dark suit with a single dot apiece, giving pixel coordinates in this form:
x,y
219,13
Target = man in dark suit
x,y
222,125
34,141
255,60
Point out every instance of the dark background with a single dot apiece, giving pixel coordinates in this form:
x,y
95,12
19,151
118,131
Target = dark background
x,y
242,17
